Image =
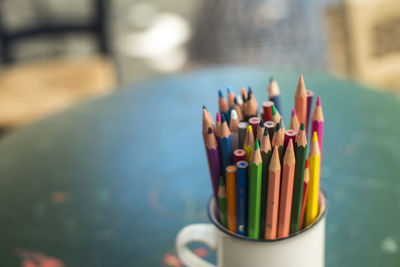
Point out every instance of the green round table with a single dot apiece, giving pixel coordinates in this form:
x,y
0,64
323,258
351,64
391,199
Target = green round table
x,y
111,181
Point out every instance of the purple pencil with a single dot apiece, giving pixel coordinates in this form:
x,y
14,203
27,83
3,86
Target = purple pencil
x,y
310,95
213,161
317,123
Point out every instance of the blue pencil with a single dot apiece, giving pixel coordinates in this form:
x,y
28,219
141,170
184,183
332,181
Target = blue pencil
x,y
241,197
225,143
274,93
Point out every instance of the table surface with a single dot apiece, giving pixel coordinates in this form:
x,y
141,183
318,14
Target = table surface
x,y
111,181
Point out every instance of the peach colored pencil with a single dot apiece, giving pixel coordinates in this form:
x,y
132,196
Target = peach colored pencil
x,y
274,180
294,122
300,101
285,203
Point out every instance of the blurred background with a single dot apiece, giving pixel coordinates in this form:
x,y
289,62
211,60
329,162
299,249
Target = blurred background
x,y
55,53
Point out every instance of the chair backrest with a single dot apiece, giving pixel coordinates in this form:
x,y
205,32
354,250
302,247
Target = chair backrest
x,y
95,26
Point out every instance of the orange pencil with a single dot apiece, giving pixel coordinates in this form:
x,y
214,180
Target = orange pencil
x,y
274,180
305,191
285,203
231,197
300,101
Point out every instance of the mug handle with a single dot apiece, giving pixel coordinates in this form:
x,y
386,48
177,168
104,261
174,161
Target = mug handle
x,y
202,232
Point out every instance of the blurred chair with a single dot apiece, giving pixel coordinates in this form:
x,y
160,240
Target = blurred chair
x,y
32,89
364,41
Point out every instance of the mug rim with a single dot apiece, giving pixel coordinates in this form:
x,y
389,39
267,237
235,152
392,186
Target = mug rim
x,y
217,224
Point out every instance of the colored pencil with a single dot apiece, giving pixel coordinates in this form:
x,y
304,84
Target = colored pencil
x,y
274,93
270,127
294,122
289,135
255,178
305,192
266,153
312,196
254,122
231,96
300,101
248,143
286,194
277,141
251,105
317,121
267,110
223,106
260,131
274,180
225,142
206,123
242,132
214,162
276,117
241,191
231,197
217,128
238,155
301,155
233,127
222,202
238,109
310,95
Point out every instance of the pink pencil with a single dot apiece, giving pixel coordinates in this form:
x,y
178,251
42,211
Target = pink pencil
x,y
317,122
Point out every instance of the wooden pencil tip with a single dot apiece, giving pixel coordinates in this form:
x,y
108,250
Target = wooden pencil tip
x,y
293,112
306,163
318,101
302,127
220,93
234,115
271,79
249,129
249,90
204,107
290,145
228,89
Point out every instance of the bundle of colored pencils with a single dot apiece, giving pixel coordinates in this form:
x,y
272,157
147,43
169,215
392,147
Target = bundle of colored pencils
x,y
263,183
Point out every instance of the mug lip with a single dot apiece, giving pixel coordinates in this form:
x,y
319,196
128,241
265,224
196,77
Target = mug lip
x,y
214,220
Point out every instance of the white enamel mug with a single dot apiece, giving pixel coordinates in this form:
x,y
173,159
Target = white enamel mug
x,y
303,249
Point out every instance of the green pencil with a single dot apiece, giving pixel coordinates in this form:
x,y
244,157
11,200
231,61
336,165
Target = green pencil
x,y
301,155
222,202
266,154
255,179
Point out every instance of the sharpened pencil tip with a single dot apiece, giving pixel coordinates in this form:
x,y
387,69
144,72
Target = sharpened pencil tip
x,y
318,101
249,90
220,93
306,163
210,130
274,110
261,123
271,79
315,137
228,89
302,127
293,112
256,145
265,132
218,117
223,118
278,127
249,129
204,107
234,115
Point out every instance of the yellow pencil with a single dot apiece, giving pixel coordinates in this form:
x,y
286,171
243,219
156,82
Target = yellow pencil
x,y
314,161
249,143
